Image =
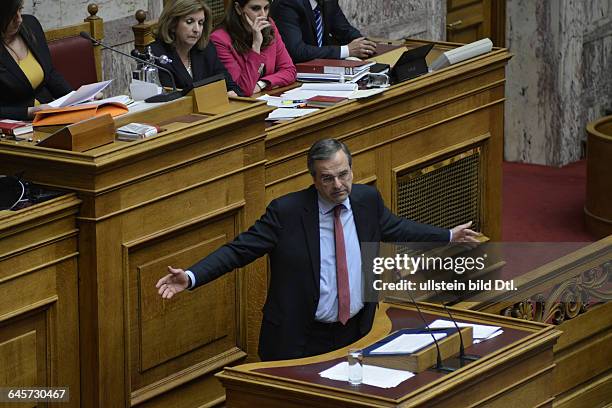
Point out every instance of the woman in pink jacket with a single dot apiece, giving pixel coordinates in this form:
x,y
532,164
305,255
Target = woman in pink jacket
x,y
251,48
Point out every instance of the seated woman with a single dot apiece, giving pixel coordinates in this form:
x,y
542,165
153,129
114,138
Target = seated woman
x,y
251,49
27,77
182,34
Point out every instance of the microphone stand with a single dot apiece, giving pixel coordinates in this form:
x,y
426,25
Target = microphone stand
x,y
165,97
439,366
462,355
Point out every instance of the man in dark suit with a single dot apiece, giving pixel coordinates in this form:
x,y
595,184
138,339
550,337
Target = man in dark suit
x,y
315,302
318,29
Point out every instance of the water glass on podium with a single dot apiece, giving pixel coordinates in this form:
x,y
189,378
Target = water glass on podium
x,y
355,366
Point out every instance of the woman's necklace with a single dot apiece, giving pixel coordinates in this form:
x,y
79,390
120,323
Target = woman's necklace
x,y
189,64
13,52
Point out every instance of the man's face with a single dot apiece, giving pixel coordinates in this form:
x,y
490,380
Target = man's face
x,y
333,178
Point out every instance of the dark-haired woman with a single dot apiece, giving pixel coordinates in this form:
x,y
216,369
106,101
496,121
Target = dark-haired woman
x,y
182,34
251,49
27,77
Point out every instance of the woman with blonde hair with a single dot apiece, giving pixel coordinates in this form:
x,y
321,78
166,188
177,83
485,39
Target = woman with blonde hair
x,y
182,34
251,48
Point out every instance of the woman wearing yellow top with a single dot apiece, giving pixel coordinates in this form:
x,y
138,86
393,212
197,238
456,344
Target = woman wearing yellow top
x,y
27,77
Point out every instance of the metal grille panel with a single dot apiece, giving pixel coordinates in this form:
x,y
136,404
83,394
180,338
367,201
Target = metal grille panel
x,y
445,194
218,10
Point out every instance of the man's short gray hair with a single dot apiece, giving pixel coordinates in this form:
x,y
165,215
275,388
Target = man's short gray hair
x,y
325,149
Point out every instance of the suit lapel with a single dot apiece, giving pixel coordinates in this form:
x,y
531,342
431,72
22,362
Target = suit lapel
x,y
11,66
197,63
310,223
361,217
179,70
311,21
327,23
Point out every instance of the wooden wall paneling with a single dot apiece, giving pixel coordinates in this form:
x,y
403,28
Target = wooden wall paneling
x,y
142,202
170,342
39,339
167,224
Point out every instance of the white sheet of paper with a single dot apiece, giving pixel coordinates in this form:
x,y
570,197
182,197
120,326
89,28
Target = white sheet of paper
x,y
58,102
372,375
124,99
408,343
480,331
303,95
83,94
319,86
497,333
366,93
139,106
289,113
280,102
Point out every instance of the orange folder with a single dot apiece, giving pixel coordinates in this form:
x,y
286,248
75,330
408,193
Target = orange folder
x,y
74,114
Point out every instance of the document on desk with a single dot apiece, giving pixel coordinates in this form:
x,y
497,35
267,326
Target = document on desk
x,y
307,91
366,93
281,102
83,94
407,343
289,113
481,332
372,375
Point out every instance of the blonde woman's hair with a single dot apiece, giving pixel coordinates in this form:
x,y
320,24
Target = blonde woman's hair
x,y
173,11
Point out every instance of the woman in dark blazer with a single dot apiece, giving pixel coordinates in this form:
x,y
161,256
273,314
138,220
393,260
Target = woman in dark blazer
x,y
27,77
182,34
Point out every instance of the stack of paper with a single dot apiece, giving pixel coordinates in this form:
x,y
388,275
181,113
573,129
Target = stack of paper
x,y
332,70
481,332
281,102
307,91
281,114
375,376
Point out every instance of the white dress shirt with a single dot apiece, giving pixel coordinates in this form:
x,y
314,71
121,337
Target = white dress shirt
x,y
327,309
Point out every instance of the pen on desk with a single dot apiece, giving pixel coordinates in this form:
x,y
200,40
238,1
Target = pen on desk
x,y
292,101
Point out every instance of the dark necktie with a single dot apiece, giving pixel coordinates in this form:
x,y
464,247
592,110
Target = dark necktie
x,y
318,24
342,277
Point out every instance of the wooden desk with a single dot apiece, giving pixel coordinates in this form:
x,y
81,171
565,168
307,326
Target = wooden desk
x,y
39,331
514,370
169,200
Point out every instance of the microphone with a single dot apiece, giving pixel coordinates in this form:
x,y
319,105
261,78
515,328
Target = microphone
x,y
166,97
462,355
163,59
439,365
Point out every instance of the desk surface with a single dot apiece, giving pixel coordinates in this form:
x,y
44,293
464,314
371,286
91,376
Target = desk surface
x,y
400,318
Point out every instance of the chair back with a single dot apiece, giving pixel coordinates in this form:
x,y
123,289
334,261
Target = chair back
x,y
75,57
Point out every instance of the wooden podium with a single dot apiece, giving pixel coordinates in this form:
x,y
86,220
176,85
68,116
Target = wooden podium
x,y
515,370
